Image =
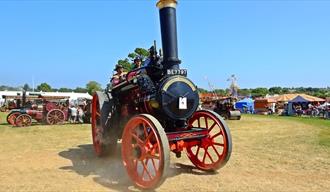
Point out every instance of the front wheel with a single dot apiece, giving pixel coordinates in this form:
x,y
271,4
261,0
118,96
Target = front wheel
x,y
213,151
23,120
145,151
11,117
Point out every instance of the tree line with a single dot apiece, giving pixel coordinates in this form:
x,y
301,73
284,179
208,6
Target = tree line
x,y
90,87
262,92
142,53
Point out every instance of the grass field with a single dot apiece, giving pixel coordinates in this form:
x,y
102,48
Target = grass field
x,y
269,154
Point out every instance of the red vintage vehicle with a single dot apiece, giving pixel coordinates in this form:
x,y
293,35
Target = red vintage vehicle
x,y
154,111
46,109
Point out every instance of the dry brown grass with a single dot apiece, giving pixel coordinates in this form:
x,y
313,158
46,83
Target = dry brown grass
x,y
269,154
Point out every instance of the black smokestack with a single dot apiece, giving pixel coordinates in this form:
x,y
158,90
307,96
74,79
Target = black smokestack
x,y
167,13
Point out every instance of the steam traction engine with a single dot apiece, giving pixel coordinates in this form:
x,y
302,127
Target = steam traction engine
x,y
153,112
48,110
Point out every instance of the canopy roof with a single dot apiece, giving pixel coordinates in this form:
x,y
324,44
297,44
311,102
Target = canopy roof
x,y
246,100
305,98
285,97
290,97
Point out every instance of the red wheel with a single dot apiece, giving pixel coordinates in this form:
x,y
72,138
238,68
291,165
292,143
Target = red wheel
x,y
55,116
213,151
11,117
101,112
23,120
145,151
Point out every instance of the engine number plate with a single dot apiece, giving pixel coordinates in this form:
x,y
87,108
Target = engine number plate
x,y
177,72
182,102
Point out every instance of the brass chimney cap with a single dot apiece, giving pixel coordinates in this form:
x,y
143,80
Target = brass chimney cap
x,y
166,3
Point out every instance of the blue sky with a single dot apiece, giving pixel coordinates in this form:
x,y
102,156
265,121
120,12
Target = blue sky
x,y
264,43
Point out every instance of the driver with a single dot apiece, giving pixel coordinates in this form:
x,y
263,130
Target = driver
x,y
137,62
119,76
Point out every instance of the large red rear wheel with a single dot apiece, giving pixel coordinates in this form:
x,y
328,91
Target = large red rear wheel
x,y
213,151
101,108
55,116
23,120
11,117
145,151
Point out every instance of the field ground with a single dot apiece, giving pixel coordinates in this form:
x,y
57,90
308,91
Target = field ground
x,y
269,154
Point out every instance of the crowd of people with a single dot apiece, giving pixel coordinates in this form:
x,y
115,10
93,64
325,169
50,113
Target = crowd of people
x,y
313,110
76,114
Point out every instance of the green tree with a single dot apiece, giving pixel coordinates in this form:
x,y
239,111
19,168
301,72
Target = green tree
x,y
141,52
220,91
275,90
127,63
244,92
259,92
201,90
80,90
93,86
44,87
64,89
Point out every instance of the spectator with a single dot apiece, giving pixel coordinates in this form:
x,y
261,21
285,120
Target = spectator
x,y
73,114
80,115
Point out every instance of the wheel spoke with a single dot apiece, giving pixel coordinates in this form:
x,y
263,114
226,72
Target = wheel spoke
x,y
145,168
210,129
206,124
197,150
153,163
152,156
208,154
145,131
149,136
199,123
137,139
216,135
216,151
204,156
135,163
219,144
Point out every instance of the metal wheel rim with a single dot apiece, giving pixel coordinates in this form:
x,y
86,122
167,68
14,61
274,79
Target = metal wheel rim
x,y
12,117
55,116
96,124
212,152
142,152
23,120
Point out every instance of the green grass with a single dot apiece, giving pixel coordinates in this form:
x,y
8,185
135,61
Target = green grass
x,y
3,120
270,153
322,125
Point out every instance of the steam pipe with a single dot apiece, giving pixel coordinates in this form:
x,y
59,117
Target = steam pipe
x,y
167,14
